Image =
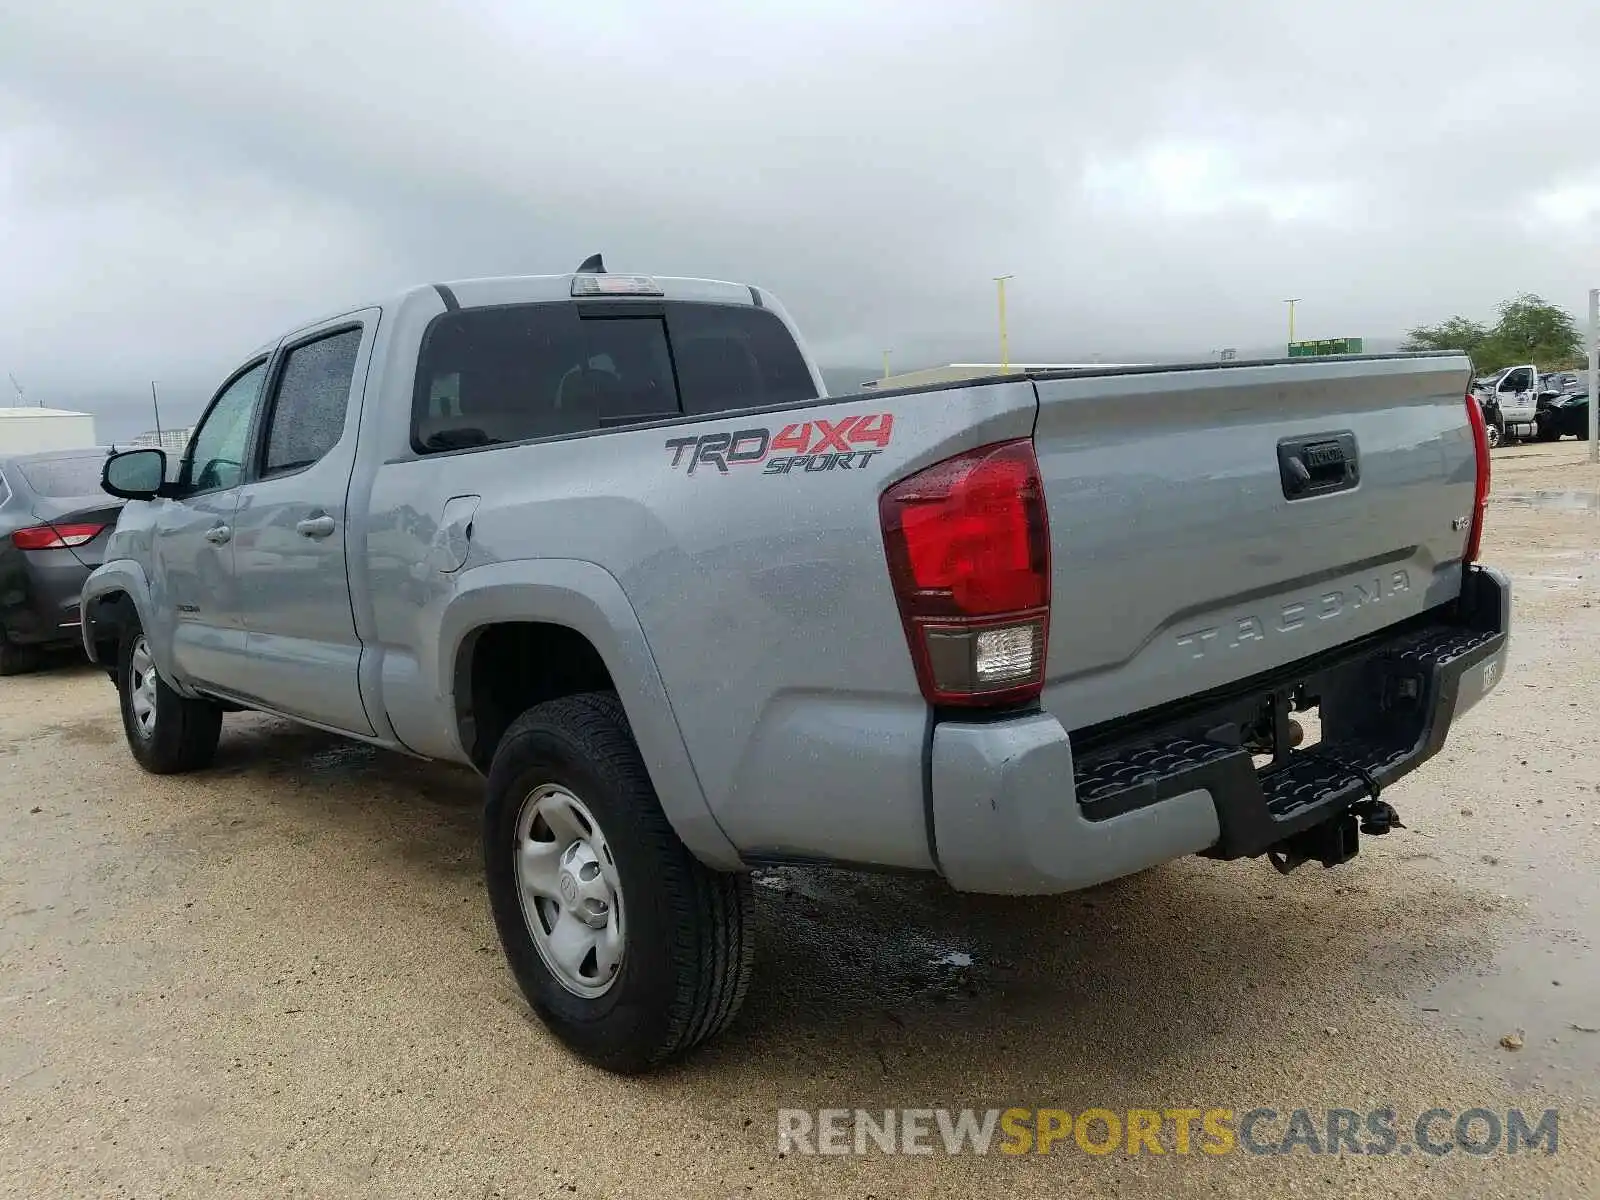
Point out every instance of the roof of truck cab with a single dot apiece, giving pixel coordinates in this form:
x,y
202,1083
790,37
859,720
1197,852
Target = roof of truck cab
x,y
514,289
532,289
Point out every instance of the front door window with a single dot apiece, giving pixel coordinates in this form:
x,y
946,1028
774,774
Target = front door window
x,y
217,452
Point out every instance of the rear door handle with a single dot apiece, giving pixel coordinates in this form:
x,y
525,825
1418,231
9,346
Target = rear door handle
x,y
315,527
219,535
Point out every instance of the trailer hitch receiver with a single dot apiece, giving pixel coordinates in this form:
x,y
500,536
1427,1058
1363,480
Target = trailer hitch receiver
x,y
1337,840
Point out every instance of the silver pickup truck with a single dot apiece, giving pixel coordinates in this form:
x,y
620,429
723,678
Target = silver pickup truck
x,y
604,539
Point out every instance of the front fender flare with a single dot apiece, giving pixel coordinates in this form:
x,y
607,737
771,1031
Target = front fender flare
x,y
126,576
586,598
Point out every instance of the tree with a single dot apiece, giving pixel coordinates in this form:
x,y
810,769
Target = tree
x,y
1528,331
1457,333
1531,331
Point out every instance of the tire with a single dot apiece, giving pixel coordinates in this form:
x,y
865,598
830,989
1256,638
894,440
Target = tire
x,y
15,659
1496,434
173,734
682,943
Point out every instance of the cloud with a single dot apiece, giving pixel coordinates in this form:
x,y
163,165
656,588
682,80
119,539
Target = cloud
x,y
1202,179
1567,206
181,181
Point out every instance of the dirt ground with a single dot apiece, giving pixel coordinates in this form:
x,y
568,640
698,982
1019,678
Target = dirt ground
x,y
278,977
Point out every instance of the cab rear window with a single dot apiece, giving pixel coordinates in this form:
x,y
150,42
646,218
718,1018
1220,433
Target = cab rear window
x,y
505,374
730,357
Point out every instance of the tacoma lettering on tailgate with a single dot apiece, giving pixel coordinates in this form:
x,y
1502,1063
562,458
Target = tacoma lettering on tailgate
x,y
809,446
1295,616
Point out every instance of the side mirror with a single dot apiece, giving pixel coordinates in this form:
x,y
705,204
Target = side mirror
x,y
135,474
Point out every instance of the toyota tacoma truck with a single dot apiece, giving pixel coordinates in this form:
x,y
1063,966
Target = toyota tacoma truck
x,y
606,540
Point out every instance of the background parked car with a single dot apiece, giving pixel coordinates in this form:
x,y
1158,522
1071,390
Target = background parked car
x,y
1553,387
1566,416
54,523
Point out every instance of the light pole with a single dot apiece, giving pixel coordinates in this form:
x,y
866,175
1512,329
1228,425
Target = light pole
x,y
1291,303
1594,374
886,364
1005,347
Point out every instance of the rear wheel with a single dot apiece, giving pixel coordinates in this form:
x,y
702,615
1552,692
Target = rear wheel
x,y
628,948
167,733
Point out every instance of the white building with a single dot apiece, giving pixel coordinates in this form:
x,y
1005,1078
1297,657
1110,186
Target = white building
x,y
173,441
29,430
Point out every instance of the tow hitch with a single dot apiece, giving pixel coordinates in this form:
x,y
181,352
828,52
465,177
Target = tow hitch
x,y
1338,840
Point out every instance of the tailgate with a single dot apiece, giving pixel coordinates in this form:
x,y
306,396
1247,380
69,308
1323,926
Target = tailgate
x,y
1190,550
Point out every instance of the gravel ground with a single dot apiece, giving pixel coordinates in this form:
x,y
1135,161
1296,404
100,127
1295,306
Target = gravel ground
x,y
278,977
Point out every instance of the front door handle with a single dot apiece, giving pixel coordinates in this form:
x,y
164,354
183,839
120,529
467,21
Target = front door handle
x,y
315,527
219,535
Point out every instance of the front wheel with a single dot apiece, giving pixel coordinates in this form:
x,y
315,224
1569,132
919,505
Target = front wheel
x,y
167,733
628,948
1497,434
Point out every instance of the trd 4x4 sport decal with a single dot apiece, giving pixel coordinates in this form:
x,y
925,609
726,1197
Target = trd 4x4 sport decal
x,y
812,445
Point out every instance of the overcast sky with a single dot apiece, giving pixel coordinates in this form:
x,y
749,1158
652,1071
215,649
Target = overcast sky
x,y
179,181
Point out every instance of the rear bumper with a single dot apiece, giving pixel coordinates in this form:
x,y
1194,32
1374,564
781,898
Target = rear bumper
x,y
1015,811
39,591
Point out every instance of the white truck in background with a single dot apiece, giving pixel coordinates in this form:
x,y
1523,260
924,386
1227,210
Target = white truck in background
x,y
1510,404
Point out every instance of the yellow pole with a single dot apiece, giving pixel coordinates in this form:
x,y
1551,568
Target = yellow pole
x,y
886,364
1291,304
1005,347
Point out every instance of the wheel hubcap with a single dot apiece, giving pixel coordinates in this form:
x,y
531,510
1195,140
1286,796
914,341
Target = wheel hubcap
x,y
142,688
571,896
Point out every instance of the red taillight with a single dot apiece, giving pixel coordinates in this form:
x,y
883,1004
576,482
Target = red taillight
x,y
968,544
54,537
1480,496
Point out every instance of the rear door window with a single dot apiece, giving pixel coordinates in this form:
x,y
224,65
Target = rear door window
x,y
62,477
493,375
313,393
734,356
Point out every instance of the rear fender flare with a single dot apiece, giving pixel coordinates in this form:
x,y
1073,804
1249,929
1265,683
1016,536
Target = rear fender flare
x,y
586,598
